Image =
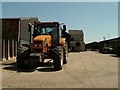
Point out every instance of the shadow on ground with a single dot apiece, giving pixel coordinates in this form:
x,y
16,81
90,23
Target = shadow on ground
x,y
114,55
13,67
41,67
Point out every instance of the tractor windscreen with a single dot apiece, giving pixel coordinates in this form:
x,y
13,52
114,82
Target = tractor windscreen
x,y
47,29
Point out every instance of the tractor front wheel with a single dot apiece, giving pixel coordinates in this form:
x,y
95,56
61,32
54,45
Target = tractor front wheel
x,y
58,57
65,53
23,59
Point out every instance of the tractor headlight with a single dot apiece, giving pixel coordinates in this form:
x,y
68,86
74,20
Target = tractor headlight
x,y
40,45
37,43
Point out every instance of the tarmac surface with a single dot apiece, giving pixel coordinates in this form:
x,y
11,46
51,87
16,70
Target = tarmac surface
x,y
83,70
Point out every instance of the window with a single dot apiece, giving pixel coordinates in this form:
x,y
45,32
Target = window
x,y
47,31
72,39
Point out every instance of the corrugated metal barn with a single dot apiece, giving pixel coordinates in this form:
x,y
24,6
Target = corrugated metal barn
x,y
15,29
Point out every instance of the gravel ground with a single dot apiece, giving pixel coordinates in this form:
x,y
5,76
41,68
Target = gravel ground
x,y
83,70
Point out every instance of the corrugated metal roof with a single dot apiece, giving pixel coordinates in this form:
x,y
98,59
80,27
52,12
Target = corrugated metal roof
x,y
118,38
27,18
22,18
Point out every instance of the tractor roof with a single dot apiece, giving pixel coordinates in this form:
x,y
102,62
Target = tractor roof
x,y
47,22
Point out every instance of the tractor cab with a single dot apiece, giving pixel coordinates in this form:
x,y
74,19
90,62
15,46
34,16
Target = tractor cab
x,y
53,29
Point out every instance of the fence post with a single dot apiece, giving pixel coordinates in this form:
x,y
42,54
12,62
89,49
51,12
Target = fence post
x,y
8,50
3,51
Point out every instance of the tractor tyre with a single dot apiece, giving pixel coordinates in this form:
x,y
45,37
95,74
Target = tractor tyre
x,y
23,59
58,58
118,50
65,54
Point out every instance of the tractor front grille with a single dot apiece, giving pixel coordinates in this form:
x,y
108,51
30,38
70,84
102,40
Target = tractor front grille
x,y
37,42
37,50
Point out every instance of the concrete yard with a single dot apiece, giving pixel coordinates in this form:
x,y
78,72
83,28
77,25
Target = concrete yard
x,y
83,70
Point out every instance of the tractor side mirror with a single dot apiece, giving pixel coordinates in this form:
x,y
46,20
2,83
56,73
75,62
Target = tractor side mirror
x,y
29,27
64,27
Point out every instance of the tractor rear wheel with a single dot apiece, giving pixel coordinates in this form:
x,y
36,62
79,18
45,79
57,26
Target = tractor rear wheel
x,y
58,58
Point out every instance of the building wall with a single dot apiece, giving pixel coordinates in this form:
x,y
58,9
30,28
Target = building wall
x,y
9,32
93,46
77,40
11,28
82,46
111,42
77,37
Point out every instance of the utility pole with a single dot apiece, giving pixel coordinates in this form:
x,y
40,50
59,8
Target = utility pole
x,y
104,38
108,35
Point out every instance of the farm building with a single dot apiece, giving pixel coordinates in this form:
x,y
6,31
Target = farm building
x,y
14,32
77,40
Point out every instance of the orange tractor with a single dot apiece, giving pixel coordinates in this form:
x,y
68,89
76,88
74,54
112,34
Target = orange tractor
x,y
48,41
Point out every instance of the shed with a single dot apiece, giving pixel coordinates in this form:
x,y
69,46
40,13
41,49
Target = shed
x,y
77,40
